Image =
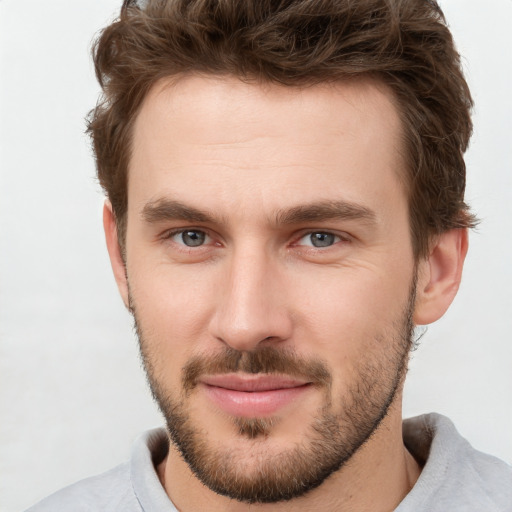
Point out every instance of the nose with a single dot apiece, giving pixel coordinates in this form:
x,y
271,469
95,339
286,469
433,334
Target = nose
x,y
251,307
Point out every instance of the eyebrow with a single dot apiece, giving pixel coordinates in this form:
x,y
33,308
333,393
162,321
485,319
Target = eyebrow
x,y
326,210
164,209
167,209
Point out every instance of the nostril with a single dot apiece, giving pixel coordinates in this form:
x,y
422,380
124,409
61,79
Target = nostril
x,y
270,339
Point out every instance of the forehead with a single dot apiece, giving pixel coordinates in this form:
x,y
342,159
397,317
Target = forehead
x,y
246,145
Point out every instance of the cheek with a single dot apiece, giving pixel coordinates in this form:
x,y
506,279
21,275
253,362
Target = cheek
x,y
345,312
173,308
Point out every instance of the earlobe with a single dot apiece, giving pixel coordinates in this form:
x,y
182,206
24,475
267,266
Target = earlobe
x,y
114,251
439,276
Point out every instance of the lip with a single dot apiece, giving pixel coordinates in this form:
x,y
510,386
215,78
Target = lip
x,y
252,395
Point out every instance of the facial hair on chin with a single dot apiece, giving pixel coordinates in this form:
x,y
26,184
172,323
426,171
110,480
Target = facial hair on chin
x,y
332,437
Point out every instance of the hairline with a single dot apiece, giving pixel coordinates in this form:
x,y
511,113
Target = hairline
x,y
164,82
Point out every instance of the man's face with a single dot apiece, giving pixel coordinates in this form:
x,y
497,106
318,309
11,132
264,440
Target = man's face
x,y
271,275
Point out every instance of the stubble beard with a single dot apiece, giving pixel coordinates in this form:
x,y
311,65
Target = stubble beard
x,y
331,439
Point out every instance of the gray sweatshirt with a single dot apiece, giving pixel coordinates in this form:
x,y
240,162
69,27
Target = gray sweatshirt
x,y
455,477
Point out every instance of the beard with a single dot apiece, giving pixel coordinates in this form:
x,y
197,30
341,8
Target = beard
x,y
340,426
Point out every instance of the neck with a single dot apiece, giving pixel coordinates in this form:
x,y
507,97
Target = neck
x,y
377,478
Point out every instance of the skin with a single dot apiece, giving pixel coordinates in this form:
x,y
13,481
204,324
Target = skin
x,y
245,153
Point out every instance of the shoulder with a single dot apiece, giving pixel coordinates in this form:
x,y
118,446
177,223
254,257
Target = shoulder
x,y
108,492
130,487
455,476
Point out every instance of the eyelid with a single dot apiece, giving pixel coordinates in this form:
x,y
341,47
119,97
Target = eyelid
x,y
342,236
170,233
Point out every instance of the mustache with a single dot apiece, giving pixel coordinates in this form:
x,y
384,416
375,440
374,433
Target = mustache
x,y
266,360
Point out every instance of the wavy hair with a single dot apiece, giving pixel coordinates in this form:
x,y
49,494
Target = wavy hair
x,y
405,44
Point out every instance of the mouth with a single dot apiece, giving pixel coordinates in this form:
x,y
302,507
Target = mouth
x,y
252,396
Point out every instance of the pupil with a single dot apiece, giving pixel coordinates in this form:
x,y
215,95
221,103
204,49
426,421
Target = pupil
x,y
322,239
193,238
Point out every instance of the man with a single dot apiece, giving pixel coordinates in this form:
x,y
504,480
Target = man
x,y
285,186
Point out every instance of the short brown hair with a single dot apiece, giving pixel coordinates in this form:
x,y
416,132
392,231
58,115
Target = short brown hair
x,y
403,43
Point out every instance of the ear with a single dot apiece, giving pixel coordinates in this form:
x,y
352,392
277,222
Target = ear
x,y
439,276
114,251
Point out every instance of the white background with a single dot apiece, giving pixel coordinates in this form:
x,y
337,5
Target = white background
x,y
73,397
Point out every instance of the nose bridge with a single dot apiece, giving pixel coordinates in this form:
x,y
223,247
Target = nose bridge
x,y
251,308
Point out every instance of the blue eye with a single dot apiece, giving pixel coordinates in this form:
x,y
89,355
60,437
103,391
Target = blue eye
x,y
190,237
320,239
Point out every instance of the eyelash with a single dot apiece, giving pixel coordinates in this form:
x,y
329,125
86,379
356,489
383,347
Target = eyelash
x,y
338,238
168,235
